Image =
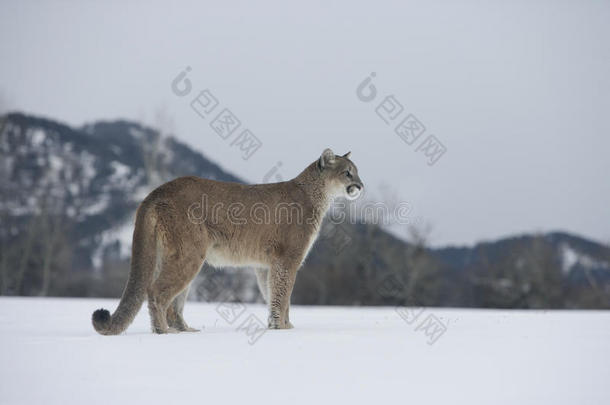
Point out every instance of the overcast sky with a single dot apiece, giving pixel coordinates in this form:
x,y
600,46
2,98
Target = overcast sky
x,y
518,94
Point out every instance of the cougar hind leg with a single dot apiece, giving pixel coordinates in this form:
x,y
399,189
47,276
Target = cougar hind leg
x,y
177,272
175,318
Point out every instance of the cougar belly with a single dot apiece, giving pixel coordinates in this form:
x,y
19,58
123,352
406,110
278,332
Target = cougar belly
x,y
224,256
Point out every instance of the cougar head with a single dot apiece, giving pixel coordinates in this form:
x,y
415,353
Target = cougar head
x,y
341,174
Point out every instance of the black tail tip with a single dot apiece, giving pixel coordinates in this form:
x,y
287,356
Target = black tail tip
x,y
101,317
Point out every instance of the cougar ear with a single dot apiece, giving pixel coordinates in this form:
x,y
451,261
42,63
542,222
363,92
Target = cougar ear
x,y
347,155
327,158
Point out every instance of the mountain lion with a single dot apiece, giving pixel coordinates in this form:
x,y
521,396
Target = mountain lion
x,y
189,220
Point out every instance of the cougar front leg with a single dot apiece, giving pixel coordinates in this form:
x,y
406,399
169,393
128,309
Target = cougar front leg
x,y
262,278
281,282
287,316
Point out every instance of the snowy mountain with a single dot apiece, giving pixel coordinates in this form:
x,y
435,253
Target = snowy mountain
x,y
89,179
68,195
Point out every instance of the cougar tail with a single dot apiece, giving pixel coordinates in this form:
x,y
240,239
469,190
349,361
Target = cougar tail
x,y
143,256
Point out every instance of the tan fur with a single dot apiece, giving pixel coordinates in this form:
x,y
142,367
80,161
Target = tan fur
x,y
190,220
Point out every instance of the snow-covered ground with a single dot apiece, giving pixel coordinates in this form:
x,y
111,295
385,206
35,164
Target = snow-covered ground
x,y
50,354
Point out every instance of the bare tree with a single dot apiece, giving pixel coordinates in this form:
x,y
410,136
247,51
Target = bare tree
x,y
154,166
25,247
416,259
4,251
52,242
526,273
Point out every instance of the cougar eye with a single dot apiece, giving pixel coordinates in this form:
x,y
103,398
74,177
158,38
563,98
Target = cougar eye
x,y
348,174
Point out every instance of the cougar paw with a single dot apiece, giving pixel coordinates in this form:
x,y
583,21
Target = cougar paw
x,y
276,324
164,331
